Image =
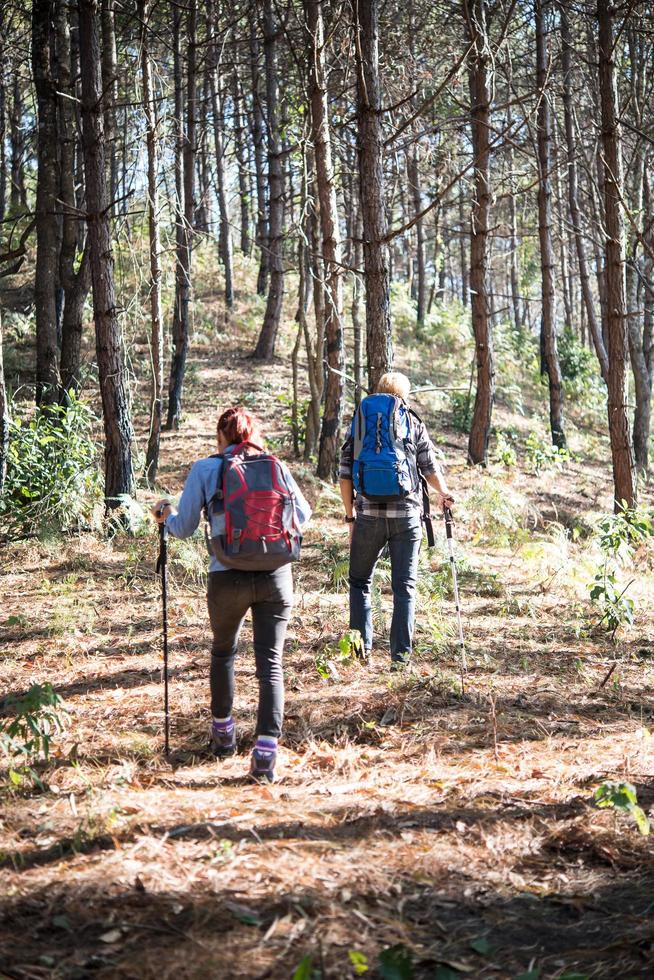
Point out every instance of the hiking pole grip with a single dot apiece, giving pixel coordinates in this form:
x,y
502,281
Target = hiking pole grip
x,y
449,521
161,569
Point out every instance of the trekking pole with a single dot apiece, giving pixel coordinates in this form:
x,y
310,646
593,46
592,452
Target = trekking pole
x,y
449,521
162,562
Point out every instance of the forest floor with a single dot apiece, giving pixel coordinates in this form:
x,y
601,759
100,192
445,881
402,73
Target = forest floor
x,y
435,831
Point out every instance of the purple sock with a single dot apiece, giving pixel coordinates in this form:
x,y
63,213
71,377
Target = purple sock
x,y
223,727
266,744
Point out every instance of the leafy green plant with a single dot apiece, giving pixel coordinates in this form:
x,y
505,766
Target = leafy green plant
x,y
359,961
349,648
53,482
461,405
618,536
395,963
493,514
622,796
578,366
542,455
504,452
38,716
617,608
305,971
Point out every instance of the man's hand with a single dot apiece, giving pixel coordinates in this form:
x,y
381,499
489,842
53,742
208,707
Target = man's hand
x,y
161,510
445,500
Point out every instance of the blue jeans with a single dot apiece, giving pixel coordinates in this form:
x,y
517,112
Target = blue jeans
x,y
403,536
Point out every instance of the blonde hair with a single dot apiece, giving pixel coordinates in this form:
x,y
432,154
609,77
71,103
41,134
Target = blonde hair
x,y
394,383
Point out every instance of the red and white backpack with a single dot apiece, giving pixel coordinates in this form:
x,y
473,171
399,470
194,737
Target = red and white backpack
x,y
261,529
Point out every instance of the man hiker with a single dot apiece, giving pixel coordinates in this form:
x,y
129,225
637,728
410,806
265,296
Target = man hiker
x,y
383,460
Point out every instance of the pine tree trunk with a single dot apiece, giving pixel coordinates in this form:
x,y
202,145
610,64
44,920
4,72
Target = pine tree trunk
x,y
331,245
548,295
156,317
371,190
573,196
421,272
265,348
185,174
110,86
217,114
3,117
258,140
4,415
109,339
47,191
18,190
241,160
463,258
480,101
624,475
75,284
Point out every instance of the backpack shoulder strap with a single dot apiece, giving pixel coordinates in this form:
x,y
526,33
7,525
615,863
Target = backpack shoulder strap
x,y
358,430
218,492
426,504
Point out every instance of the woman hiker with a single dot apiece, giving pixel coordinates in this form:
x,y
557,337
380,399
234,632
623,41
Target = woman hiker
x,y
268,594
382,512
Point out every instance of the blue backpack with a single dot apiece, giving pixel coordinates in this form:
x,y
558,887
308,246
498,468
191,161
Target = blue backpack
x,y
384,464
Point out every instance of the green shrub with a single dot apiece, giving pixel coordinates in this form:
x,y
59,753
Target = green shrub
x,y
504,451
543,455
38,716
494,514
622,796
461,407
53,482
578,365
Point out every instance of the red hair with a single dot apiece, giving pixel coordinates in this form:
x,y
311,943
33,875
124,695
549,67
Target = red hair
x,y
239,425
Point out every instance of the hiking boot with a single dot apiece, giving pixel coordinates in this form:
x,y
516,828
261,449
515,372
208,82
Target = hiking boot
x,y
223,739
264,756
400,661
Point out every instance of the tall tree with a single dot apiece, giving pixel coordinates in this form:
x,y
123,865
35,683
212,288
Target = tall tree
x,y
109,339
241,159
624,474
185,183
550,358
156,317
331,243
47,192
110,85
74,273
371,189
479,81
258,139
594,325
265,347
225,235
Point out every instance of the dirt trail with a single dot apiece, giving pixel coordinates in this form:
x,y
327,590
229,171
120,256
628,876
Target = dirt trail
x,y
459,827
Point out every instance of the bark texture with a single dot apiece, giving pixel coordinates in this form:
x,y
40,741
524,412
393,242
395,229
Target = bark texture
x,y
480,101
156,318
47,191
328,452
371,190
265,348
624,473
109,338
547,266
185,179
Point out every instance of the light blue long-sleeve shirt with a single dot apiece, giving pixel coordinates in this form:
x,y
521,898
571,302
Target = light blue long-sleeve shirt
x,y
198,490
